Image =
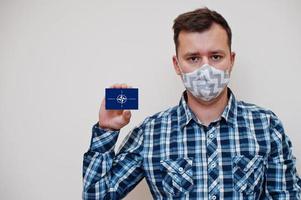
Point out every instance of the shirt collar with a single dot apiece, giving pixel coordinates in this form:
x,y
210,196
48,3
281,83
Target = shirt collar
x,y
230,111
186,115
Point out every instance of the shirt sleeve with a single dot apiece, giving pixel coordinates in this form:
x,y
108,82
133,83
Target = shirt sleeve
x,y
282,178
110,176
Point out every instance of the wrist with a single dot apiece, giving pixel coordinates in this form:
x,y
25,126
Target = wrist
x,y
106,128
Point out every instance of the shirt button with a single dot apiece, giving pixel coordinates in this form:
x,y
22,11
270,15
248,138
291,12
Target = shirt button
x,y
180,169
211,135
213,165
213,197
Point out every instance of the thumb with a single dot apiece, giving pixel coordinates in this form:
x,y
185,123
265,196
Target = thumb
x,y
126,114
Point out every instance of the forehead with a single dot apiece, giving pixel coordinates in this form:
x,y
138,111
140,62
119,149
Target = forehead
x,y
213,39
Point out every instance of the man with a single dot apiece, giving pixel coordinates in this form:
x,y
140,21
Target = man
x,y
209,146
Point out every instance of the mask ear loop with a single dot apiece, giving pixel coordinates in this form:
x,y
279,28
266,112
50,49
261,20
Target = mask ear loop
x,y
178,63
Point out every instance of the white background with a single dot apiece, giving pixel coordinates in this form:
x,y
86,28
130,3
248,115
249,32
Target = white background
x,y
56,58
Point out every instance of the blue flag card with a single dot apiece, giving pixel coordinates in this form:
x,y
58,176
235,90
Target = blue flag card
x,y
121,98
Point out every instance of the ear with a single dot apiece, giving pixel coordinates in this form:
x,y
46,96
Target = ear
x,y
176,65
232,60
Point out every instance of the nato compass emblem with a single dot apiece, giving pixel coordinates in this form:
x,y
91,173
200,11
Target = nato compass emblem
x,y
121,98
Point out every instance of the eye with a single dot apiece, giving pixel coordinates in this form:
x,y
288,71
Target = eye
x,y
216,57
193,59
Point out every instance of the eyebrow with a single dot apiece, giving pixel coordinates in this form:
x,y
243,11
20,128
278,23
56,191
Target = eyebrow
x,y
218,51
197,53
191,54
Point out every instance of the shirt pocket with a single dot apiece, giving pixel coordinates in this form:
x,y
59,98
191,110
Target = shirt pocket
x,y
248,171
177,176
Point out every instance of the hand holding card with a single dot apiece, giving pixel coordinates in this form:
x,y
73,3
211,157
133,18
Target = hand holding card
x,y
114,118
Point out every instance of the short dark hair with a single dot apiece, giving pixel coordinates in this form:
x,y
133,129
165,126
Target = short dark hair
x,y
199,20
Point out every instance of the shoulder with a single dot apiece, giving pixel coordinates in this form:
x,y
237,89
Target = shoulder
x,y
250,108
256,112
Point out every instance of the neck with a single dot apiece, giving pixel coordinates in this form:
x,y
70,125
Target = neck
x,y
208,111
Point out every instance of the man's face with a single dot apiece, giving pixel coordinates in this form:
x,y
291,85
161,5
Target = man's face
x,y
209,47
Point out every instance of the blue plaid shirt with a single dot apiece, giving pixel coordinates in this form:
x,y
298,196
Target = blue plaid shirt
x,y
243,155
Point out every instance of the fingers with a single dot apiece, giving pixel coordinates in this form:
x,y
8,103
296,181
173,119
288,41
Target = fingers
x,y
120,85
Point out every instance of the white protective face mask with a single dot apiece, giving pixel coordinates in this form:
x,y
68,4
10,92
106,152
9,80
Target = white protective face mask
x,y
206,82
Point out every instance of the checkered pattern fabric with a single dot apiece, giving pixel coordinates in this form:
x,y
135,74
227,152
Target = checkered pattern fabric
x,y
243,155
